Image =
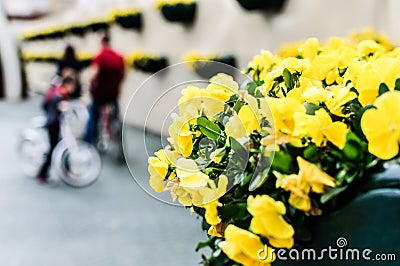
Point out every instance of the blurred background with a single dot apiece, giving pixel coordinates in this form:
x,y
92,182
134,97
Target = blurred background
x,y
114,222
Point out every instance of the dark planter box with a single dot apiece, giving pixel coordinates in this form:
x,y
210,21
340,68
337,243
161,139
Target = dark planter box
x,y
208,69
51,60
272,5
133,21
150,65
180,12
54,35
370,220
78,30
96,26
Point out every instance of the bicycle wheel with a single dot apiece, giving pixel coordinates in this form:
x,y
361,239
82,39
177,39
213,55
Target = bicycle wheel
x,y
33,147
115,148
77,166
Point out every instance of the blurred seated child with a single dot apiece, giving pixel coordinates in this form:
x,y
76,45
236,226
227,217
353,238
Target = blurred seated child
x,y
54,101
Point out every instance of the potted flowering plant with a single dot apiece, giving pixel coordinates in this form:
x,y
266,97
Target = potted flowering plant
x,y
45,34
178,10
128,19
271,166
271,5
147,62
77,30
98,25
40,58
204,65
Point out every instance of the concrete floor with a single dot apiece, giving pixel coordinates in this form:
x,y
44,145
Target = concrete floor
x,y
112,222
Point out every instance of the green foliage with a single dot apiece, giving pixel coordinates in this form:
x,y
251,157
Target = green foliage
x,y
208,128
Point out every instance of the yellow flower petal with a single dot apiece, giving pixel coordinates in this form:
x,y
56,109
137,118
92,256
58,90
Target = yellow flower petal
x,y
336,133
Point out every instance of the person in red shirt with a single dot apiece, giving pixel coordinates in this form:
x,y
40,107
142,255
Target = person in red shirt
x,y
108,73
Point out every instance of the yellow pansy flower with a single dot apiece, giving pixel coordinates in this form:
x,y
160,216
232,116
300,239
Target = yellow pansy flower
x,y
168,155
191,95
310,178
371,75
338,97
181,135
368,47
293,64
223,86
249,119
310,48
323,67
319,127
235,128
315,95
244,247
283,111
211,214
158,171
213,192
263,62
190,175
289,50
381,126
268,221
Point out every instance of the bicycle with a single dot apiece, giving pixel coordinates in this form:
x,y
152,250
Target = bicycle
x,y
109,140
74,161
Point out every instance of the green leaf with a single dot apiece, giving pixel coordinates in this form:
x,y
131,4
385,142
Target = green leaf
x,y
383,88
283,162
233,211
352,150
310,152
357,119
202,245
251,87
287,77
238,106
332,192
258,94
397,85
208,128
340,177
237,163
351,176
311,108
258,180
246,179
235,145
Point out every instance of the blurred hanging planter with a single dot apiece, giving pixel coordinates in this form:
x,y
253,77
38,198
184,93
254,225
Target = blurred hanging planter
x,y
77,30
178,10
269,5
297,154
204,67
147,62
98,25
128,19
41,58
45,34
